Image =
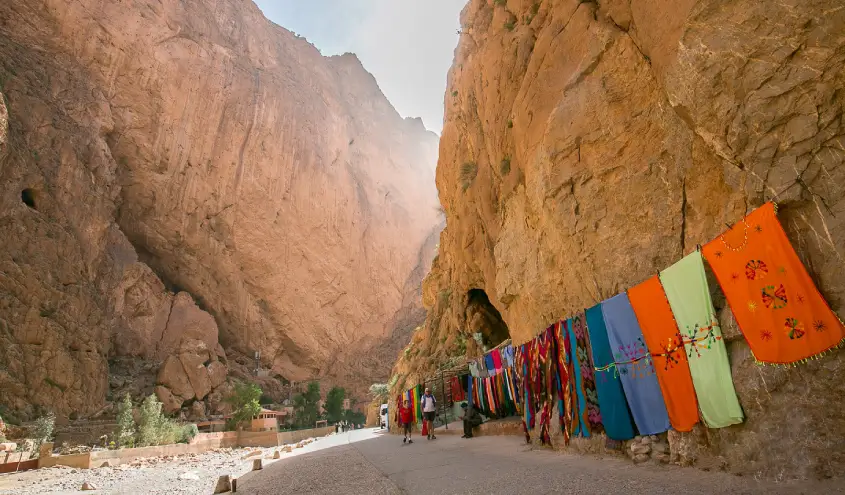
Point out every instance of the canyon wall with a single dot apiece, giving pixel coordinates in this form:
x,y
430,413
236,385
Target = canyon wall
x,y
588,145
185,182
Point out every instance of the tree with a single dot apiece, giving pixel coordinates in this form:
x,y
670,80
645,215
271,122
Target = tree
x,y
334,404
245,402
125,423
354,417
379,391
305,406
152,422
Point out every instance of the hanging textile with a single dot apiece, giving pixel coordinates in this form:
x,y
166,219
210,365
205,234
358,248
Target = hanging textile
x,y
507,356
497,360
689,296
777,306
580,420
470,381
591,416
634,365
666,346
489,364
566,400
616,418
473,369
418,392
457,392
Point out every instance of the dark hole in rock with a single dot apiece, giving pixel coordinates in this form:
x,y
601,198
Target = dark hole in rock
x,y
485,319
28,197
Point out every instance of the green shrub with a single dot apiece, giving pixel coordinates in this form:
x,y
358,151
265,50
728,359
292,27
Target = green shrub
x,y
510,124
125,423
469,171
500,2
187,432
454,93
510,25
505,166
44,429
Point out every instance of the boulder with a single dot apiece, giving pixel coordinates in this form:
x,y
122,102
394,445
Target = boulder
x,y
197,373
217,373
170,403
640,458
257,464
172,375
639,448
86,486
197,411
188,322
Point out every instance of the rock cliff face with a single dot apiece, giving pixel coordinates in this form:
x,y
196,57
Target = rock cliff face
x,y
589,144
184,180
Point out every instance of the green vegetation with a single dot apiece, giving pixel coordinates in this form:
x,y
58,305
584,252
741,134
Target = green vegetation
x,y
334,404
468,172
509,25
510,124
454,94
500,2
505,166
380,390
392,382
125,423
354,417
43,431
245,403
305,406
443,297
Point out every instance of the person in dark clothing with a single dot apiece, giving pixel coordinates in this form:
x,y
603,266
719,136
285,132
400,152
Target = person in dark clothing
x,y
471,419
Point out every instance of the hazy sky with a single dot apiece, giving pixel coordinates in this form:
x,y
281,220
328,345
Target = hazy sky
x,y
408,45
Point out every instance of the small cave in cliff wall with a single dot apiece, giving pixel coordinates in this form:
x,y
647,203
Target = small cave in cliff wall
x,y
485,319
28,196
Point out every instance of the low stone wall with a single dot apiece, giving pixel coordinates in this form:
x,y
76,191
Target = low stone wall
x,y
203,442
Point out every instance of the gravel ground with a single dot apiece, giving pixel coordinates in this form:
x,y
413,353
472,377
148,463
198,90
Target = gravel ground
x,y
380,464
186,474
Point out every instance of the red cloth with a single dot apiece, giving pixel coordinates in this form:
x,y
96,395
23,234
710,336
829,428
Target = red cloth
x,y
457,391
405,415
497,360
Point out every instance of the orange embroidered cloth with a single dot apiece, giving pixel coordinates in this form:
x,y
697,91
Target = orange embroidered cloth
x,y
666,346
777,306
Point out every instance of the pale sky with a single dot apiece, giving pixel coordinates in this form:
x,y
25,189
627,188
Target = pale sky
x,y
408,45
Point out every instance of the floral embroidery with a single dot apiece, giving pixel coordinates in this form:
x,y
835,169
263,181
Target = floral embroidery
x,y
758,228
800,299
765,335
734,277
794,328
772,298
819,326
756,270
752,306
718,254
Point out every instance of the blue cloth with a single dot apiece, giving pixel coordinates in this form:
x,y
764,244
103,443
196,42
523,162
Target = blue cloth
x,y
615,415
469,390
635,366
578,426
489,364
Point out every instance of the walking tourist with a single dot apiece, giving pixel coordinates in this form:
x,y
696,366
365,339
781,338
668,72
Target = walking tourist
x,y
405,416
429,408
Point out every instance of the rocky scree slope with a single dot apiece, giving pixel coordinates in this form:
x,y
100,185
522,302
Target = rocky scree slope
x,y
588,145
185,180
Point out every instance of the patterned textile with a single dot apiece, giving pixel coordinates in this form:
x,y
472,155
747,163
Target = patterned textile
x,y
635,366
507,356
666,346
591,416
457,391
616,417
580,418
566,400
689,296
777,306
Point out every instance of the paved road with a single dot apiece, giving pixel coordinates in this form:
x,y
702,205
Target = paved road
x,y
367,462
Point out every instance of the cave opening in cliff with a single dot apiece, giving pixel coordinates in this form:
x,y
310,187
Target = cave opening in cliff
x,y
28,197
485,320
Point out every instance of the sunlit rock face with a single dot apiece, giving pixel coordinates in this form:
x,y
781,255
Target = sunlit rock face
x,y
189,159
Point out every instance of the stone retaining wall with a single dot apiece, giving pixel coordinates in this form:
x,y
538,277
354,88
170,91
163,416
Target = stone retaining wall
x,y
203,442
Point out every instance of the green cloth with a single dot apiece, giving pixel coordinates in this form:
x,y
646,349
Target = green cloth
x,y
689,296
